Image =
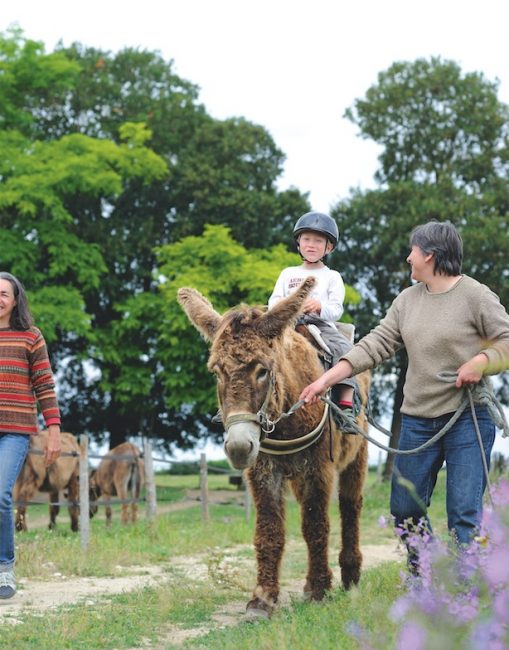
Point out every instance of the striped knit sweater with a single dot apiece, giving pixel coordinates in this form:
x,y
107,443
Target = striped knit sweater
x,y
25,380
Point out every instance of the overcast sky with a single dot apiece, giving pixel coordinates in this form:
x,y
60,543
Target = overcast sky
x,y
291,66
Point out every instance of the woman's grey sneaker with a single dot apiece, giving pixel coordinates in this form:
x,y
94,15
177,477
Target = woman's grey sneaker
x,y
7,584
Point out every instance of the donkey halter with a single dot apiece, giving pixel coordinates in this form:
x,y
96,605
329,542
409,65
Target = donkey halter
x,y
275,446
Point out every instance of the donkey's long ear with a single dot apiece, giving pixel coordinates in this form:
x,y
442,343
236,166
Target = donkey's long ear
x,y
286,311
199,311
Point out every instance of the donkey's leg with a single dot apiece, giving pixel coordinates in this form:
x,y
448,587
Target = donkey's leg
x,y
313,493
24,495
351,482
107,497
21,522
269,541
73,498
54,497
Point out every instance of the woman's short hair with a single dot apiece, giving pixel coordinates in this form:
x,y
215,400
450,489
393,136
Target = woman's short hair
x,y
21,318
444,241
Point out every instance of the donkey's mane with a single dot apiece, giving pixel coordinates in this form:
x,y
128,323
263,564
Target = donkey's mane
x,y
241,317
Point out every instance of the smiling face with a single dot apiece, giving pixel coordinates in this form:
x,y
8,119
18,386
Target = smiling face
x,y
421,265
7,302
313,246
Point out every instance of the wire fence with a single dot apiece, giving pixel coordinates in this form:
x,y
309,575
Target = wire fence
x,y
85,502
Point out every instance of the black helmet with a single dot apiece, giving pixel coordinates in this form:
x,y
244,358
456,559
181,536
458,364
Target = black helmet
x,y
318,222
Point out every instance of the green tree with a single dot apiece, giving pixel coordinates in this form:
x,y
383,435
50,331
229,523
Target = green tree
x,y
30,81
38,237
444,155
218,171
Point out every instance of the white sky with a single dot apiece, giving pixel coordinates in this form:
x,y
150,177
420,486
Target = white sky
x,y
289,65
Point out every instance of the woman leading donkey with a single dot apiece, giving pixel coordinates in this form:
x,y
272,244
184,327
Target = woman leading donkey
x,y
448,323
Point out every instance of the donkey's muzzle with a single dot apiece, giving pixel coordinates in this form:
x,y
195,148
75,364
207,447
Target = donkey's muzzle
x,y
242,443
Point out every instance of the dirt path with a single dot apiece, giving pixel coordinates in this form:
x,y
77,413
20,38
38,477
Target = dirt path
x,y
38,596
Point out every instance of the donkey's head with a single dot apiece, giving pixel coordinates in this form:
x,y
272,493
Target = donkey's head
x,y
246,346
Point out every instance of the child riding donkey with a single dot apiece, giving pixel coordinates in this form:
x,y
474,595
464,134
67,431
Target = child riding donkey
x,y
316,235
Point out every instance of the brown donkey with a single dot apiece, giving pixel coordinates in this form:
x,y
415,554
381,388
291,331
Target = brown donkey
x,y
61,476
262,364
121,473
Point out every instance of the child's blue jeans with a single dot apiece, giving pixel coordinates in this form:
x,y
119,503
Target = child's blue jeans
x,y
460,450
13,450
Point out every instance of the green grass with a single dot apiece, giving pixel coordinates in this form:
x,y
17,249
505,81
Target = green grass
x,y
318,625
123,621
192,482
184,532
147,615
175,533
129,620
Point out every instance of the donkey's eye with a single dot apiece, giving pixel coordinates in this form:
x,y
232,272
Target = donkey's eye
x,y
262,374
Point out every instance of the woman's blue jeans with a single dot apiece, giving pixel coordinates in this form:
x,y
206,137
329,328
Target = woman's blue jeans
x,y
466,480
13,450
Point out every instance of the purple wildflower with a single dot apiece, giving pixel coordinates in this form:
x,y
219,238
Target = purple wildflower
x,y
412,637
496,567
501,605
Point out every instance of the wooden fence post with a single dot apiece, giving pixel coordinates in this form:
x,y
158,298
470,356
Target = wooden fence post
x,y
150,484
84,501
204,489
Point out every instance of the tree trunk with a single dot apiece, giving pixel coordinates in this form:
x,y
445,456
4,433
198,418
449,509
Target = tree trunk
x,y
118,430
396,419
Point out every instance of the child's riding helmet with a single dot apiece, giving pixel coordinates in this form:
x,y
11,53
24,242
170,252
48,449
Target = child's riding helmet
x,y
318,222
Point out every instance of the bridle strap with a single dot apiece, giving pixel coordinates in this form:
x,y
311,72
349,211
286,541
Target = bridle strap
x,y
293,445
272,445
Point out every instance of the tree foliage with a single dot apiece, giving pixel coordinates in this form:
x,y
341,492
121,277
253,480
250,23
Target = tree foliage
x,y
109,156
435,124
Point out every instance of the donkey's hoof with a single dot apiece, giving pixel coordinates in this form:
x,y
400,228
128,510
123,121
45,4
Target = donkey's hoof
x,y
257,610
254,615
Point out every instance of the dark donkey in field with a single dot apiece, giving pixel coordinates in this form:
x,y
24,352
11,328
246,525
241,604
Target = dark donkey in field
x,y
262,364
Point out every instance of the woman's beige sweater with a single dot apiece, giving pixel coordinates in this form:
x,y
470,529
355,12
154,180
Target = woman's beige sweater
x,y
440,331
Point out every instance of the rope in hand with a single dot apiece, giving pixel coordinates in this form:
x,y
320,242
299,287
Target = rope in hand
x,y
481,393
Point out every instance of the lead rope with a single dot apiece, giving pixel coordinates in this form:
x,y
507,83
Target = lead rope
x,y
479,438
483,395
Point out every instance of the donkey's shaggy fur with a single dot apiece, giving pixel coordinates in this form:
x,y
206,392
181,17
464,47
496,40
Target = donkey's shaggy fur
x,y
249,346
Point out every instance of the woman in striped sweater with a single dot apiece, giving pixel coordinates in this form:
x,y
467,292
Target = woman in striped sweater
x,y
25,381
